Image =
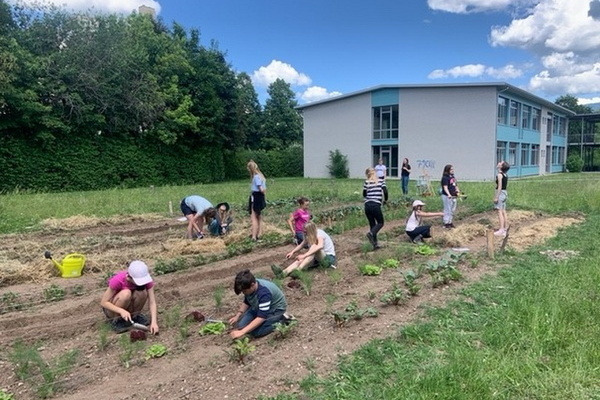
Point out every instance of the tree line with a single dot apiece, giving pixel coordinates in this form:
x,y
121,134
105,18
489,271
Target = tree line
x,y
92,101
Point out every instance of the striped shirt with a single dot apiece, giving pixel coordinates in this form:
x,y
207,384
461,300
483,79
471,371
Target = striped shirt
x,y
375,192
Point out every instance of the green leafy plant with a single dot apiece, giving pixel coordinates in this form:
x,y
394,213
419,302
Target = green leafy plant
x,y
10,302
394,297
391,263
54,293
155,351
369,269
218,294
352,312
574,163
103,337
4,395
338,165
283,330
305,278
163,267
424,250
410,281
241,349
212,328
77,290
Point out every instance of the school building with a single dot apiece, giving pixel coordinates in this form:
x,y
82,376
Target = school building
x,y
471,126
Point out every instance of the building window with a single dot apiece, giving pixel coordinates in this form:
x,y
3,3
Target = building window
x,y
535,154
562,126
512,153
526,117
561,155
525,149
549,127
502,110
535,119
514,113
385,122
500,151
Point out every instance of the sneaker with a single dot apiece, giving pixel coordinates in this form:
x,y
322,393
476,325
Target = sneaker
x,y
141,319
500,232
377,246
418,239
452,225
200,236
119,325
277,271
448,226
371,239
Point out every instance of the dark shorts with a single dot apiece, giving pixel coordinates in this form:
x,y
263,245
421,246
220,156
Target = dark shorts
x,y
256,202
185,209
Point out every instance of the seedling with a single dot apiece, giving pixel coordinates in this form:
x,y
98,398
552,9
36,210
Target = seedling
x,y
10,302
6,396
212,328
369,270
129,350
103,337
78,290
393,297
218,296
391,263
424,250
352,312
54,293
283,330
240,349
305,278
156,351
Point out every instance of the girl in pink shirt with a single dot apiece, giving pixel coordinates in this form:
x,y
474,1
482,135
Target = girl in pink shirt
x,y
298,219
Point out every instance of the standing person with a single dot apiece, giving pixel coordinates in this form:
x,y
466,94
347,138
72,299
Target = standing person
x,y
198,211
223,218
264,305
127,294
449,192
501,196
298,219
405,173
256,202
375,194
320,252
414,228
381,170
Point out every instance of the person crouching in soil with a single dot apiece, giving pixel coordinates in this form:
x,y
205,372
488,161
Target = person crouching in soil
x,y
222,220
321,251
414,228
264,305
127,294
198,211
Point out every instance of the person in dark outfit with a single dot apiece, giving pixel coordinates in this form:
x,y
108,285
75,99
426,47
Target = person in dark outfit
x,y
375,194
404,174
501,196
449,193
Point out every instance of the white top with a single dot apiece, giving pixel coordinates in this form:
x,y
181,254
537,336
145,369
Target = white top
x,y
380,170
328,247
413,222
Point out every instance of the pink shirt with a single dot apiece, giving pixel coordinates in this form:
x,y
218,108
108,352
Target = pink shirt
x,y
119,282
301,217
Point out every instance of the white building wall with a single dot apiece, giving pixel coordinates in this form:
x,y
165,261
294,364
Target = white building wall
x,y
447,125
344,125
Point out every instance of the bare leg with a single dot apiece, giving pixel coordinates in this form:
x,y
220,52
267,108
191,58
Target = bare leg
x,y
122,300
255,219
299,265
138,302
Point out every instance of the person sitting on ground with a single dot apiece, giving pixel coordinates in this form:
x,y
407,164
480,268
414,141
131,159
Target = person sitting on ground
x,y
414,229
223,218
264,305
197,211
298,219
321,251
127,294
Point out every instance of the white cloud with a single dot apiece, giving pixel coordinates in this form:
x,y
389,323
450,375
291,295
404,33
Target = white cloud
x,y
111,6
477,70
587,81
591,100
315,93
472,6
264,76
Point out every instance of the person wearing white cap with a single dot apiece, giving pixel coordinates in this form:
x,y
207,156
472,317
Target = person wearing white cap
x,y
414,229
127,294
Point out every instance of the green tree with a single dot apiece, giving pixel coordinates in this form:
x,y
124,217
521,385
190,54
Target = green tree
x,y
248,113
282,122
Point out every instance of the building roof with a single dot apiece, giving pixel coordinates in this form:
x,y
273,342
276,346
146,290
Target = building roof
x,y
501,86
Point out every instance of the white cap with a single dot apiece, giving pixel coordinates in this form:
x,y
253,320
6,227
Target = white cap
x,y
418,203
138,271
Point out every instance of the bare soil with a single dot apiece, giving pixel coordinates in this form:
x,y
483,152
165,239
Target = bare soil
x,y
199,367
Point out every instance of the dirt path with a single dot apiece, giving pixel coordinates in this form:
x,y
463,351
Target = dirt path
x,y
198,367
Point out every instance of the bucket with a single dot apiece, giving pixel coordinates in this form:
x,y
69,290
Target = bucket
x,y
72,265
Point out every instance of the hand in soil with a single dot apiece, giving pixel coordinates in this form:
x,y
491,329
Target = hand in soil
x,y
236,334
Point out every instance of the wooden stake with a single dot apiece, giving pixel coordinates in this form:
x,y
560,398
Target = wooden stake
x,y
171,207
490,243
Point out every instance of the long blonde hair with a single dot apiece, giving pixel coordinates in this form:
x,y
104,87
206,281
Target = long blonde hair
x,y
371,175
310,232
253,169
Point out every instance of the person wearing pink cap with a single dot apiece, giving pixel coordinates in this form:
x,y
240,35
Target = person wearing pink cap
x,y
414,228
127,294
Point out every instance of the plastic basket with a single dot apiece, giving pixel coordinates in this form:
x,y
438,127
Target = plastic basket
x,y
72,265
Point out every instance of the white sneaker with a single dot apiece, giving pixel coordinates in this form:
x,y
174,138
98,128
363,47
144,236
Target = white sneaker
x,y
500,232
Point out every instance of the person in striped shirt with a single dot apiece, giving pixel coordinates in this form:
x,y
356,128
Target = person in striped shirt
x,y
375,194
264,305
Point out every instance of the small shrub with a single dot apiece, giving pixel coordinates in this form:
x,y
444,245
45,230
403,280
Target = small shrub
x,y
163,267
338,165
574,163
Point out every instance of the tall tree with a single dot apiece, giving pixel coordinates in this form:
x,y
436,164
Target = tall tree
x,y
248,112
282,122
570,102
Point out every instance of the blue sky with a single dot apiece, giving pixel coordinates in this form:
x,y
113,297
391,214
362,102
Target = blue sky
x,y
324,48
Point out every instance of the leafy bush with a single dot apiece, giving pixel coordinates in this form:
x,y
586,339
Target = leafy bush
x,y
338,165
574,163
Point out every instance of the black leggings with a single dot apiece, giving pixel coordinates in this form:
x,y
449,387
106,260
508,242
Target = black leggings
x,y
375,217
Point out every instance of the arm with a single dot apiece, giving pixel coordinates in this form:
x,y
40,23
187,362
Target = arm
x,y
291,224
385,193
296,249
446,191
313,249
429,214
255,323
105,302
499,187
153,311
243,308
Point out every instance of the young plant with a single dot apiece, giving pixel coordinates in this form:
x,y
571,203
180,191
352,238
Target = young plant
x,y
10,302
54,293
212,328
369,270
393,297
306,279
425,250
391,263
156,351
130,349
78,290
283,330
241,349
4,395
335,276
103,337
218,296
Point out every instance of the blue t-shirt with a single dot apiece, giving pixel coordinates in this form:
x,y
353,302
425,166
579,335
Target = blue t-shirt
x,y
197,203
257,183
266,299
